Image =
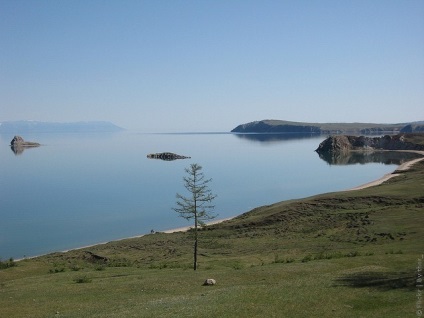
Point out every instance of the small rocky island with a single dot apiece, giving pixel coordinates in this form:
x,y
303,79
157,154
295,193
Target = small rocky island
x,y
167,156
18,145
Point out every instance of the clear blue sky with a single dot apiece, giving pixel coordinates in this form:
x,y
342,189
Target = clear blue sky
x,y
209,65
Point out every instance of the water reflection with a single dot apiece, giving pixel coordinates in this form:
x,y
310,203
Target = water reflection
x,y
277,137
384,157
18,149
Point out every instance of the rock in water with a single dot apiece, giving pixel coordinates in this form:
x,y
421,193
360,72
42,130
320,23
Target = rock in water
x,y
168,156
17,140
18,144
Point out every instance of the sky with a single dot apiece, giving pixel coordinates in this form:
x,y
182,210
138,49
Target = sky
x,y
210,65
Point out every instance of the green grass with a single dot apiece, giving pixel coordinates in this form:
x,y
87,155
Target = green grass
x,y
343,254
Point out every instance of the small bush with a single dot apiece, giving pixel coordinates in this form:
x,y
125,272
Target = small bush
x,y
237,266
307,258
57,270
7,264
120,262
100,268
82,280
277,259
171,265
323,256
75,267
395,252
353,254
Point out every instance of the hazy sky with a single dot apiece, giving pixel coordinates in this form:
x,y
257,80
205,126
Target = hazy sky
x,y
210,65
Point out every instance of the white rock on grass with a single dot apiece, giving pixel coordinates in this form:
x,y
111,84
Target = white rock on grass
x,y
209,282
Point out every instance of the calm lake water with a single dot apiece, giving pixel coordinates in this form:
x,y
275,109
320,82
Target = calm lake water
x,y
82,189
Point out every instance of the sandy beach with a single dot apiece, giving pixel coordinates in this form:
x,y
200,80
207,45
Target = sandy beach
x,y
402,167
186,228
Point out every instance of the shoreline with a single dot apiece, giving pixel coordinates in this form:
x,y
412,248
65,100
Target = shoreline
x,y
173,230
404,166
186,228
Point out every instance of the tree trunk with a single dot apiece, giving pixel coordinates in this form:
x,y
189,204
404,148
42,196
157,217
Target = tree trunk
x,y
195,253
195,233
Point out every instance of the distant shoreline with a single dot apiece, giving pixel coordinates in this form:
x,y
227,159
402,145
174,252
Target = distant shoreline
x,y
404,166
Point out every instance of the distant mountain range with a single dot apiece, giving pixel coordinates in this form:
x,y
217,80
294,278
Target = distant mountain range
x,y
283,126
29,126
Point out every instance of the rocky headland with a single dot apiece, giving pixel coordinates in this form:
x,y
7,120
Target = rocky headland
x,y
345,144
271,126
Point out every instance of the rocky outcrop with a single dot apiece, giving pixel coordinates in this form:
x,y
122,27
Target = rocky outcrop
x,y
335,144
18,144
344,144
94,258
167,156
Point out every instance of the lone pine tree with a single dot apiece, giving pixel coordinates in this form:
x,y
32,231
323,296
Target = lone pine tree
x,y
198,205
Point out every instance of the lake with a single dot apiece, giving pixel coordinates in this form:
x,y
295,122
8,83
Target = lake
x,y
82,189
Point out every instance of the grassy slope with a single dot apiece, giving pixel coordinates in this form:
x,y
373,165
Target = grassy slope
x,y
344,254
336,126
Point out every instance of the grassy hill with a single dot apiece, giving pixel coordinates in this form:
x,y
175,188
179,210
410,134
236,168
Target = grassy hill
x,y
342,254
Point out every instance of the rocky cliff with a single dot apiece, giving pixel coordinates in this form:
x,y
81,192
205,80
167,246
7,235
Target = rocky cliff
x,y
344,144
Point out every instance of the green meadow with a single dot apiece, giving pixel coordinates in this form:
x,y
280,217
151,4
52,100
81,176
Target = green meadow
x,y
341,254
